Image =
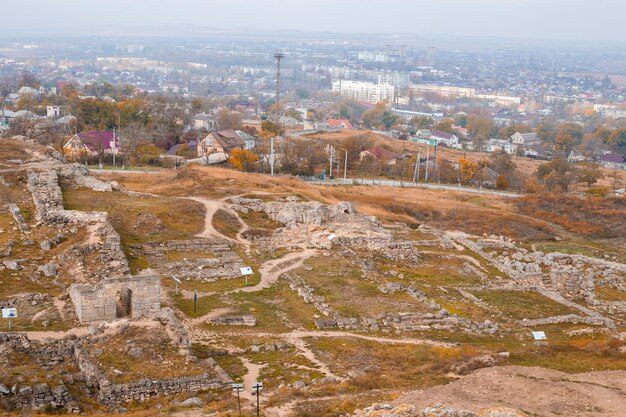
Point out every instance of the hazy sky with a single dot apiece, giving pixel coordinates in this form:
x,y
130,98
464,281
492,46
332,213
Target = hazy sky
x,y
553,19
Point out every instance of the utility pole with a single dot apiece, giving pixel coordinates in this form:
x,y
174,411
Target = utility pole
x,y
427,164
278,56
330,168
437,164
114,146
345,167
272,155
416,173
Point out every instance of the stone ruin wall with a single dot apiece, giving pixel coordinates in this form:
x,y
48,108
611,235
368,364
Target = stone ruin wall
x,y
99,302
145,389
95,302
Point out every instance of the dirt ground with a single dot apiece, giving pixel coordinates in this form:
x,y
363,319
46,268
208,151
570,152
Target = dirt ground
x,y
536,391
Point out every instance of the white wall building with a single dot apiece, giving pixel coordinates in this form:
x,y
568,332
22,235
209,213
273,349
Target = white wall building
x,y
364,91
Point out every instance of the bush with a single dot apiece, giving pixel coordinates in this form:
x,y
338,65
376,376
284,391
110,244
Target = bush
x,y
502,183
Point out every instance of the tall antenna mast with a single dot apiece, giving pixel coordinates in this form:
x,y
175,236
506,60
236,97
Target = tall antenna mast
x,y
278,56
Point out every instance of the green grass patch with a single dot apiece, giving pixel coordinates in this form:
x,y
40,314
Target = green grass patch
x,y
226,223
519,305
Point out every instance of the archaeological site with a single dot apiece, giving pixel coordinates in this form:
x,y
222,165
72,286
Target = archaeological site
x,y
151,293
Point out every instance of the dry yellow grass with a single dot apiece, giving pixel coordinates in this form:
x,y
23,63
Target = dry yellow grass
x,y
445,209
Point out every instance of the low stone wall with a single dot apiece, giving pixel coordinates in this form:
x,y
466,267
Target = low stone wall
x,y
570,318
145,389
40,397
234,321
139,391
98,302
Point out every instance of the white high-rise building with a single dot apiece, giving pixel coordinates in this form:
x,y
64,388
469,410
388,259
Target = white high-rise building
x,y
365,91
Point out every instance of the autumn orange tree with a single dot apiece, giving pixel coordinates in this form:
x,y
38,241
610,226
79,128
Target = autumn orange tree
x,y
469,169
243,159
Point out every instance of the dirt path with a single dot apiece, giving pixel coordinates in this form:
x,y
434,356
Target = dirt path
x,y
211,207
211,315
298,334
272,270
249,379
308,353
537,391
84,330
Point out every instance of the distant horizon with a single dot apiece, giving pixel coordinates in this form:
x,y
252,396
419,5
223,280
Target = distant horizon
x,y
556,20
198,31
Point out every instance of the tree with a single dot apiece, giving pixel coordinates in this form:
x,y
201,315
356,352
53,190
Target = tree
x,y
354,145
502,163
229,120
590,174
186,152
134,135
243,159
557,175
199,105
469,170
421,122
351,109
379,118
445,126
29,80
270,129
460,119
547,130
480,127
617,140
569,136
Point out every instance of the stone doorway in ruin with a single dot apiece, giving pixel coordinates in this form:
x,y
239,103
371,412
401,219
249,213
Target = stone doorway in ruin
x,y
124,304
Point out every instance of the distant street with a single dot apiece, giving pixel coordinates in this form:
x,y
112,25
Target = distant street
x,y
405,184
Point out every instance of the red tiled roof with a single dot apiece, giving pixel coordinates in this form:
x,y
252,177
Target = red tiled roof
x,y
338,123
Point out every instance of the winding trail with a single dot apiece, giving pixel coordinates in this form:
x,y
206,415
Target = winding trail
x,y
211,207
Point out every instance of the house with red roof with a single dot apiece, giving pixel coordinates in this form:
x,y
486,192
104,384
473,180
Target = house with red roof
x,y
339,124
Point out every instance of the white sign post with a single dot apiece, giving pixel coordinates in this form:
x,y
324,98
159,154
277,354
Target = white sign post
x,y
9,313
538,336
246,271
177,282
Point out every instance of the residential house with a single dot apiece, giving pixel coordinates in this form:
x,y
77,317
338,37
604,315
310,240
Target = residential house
x,y
339,124
575,156
203,121
526,141
613,160
222,142
92,142
444,138
53,112
498,145
486,177
380,153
